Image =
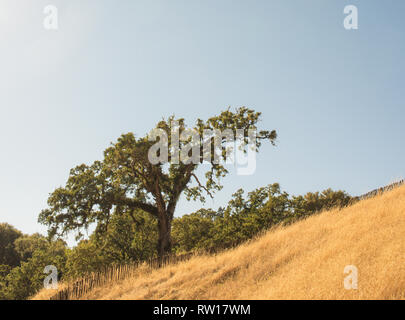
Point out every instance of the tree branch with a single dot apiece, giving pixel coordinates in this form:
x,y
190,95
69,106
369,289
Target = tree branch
x,y
138,204
201,186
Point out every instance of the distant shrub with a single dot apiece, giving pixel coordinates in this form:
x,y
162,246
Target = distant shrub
x,y
245,217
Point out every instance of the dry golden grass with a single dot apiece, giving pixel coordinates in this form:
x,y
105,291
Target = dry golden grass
x,y
302,261
46,294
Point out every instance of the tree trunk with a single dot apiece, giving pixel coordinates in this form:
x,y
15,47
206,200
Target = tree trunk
x,y
165,240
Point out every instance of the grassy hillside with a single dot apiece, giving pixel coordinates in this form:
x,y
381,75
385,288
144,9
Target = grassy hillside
x,y
302,261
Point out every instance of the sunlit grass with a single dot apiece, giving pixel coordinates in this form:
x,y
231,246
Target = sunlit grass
x,y
303,261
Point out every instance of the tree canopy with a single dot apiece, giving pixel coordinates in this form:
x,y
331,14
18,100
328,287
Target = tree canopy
x,y
127,180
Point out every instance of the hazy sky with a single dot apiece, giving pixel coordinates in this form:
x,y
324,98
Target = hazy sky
x,y
336,97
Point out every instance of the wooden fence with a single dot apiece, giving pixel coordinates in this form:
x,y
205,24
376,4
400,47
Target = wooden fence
x,y
82,286
382,190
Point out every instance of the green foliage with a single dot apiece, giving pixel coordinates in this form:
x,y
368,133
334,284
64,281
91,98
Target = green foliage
x,y
193,231
319,201
126,179
83,259
4,271
131,235
26,245
23,259
8,255
131,203
245,217
25,280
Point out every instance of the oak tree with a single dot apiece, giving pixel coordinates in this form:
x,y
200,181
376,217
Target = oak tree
x,y
127,180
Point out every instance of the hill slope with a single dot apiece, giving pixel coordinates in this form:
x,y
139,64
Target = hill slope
x,y
302,261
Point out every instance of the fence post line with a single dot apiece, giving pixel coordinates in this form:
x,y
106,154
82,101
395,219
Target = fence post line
x,y
78,288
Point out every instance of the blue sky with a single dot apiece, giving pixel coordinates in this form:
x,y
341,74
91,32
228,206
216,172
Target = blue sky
x,y
334,96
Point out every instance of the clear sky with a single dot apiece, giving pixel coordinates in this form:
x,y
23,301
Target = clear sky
x,y
336,97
